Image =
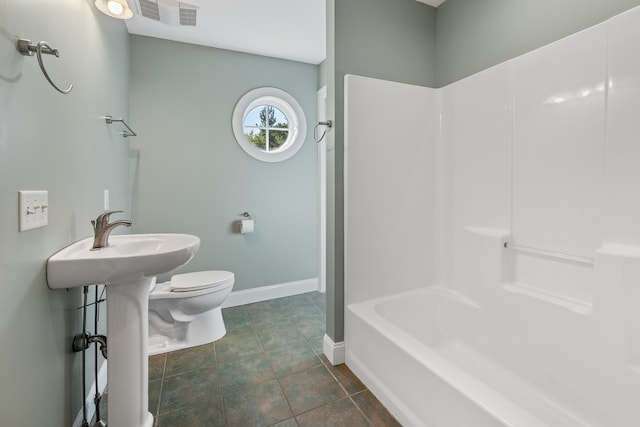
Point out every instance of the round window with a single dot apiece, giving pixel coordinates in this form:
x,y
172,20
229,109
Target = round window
x,y
269,124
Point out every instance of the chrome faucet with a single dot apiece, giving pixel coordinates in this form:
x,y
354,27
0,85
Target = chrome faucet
x,y
102,228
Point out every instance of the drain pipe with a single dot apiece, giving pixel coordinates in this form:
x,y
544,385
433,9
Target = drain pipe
x,y
82,342
85,423
98,397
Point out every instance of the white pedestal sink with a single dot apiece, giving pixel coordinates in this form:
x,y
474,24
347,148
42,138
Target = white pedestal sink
x,y
127,267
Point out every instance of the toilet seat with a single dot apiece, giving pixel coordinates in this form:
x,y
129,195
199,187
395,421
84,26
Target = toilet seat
x,y
200,280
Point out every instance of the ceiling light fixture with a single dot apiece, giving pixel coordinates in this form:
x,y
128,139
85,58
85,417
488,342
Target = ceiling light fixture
x,y
115,8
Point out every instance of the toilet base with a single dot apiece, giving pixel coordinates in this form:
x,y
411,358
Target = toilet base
x,y
205,328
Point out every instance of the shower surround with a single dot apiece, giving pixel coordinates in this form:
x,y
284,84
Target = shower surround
x,y
492,238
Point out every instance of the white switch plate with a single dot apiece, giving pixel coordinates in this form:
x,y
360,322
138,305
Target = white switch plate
x,y
33,209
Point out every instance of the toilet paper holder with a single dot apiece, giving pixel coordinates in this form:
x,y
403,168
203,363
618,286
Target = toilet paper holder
x,y
246,224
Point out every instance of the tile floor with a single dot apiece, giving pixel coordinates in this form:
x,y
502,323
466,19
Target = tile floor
x,y
268,370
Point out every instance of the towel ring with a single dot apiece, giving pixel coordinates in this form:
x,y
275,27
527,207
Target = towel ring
x,y
328,124
26,48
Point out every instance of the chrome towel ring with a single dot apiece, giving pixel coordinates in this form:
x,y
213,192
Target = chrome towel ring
x,y
27,48
328,124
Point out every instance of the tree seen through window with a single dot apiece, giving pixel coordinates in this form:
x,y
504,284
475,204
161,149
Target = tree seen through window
x,y
266,127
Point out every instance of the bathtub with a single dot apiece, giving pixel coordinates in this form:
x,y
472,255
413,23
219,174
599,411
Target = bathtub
x,y
433,357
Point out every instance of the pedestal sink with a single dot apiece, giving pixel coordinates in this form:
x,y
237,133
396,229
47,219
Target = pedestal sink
x,y
127,267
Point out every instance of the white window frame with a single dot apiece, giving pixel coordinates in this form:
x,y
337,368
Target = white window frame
x,y
285,103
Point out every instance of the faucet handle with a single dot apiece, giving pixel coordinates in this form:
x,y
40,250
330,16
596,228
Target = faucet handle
x,y
104,216
102,219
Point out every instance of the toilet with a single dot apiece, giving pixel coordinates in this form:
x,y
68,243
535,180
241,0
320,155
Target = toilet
x,y
186,311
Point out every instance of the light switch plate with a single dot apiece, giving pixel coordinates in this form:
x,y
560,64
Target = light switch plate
x,y
33,209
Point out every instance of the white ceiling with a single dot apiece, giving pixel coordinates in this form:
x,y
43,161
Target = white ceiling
x,y
287,29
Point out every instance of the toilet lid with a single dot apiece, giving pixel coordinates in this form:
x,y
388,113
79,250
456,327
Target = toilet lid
x,y
200,280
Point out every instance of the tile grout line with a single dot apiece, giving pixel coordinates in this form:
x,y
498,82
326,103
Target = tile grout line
x,y
159,401
349,395
222,404
263,355
278,378
359,408
295,417
274,373
346,396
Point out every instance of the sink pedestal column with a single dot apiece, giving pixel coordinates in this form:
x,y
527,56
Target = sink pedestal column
x,y
128,363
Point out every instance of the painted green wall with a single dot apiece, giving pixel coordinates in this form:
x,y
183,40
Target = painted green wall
x,y
386,39
189,175
58,143
473,35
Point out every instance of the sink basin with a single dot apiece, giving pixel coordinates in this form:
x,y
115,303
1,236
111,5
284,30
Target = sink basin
x,y
127,258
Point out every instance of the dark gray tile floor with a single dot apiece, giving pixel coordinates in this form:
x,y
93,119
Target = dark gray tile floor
x,y
267,371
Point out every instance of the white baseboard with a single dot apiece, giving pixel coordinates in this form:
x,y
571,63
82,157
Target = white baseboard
x,y
264,293
334,351
91,392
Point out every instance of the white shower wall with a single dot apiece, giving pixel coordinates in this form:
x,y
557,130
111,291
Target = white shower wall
x,y
558,141
543,150
541,153
476,167
390,134
622,157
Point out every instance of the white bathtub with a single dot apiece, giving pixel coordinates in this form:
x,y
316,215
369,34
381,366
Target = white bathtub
x,y
433,357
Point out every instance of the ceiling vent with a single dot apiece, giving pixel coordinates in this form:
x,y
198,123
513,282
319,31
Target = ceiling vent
x,y
168,12
149,9
188,14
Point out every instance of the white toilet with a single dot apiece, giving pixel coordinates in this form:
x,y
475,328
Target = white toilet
x,y
186,311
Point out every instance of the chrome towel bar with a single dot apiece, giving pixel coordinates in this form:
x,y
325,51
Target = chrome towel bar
x,y
126,132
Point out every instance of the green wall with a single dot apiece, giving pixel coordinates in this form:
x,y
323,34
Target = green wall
x,y
189,175
59,143
386,39
473,35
